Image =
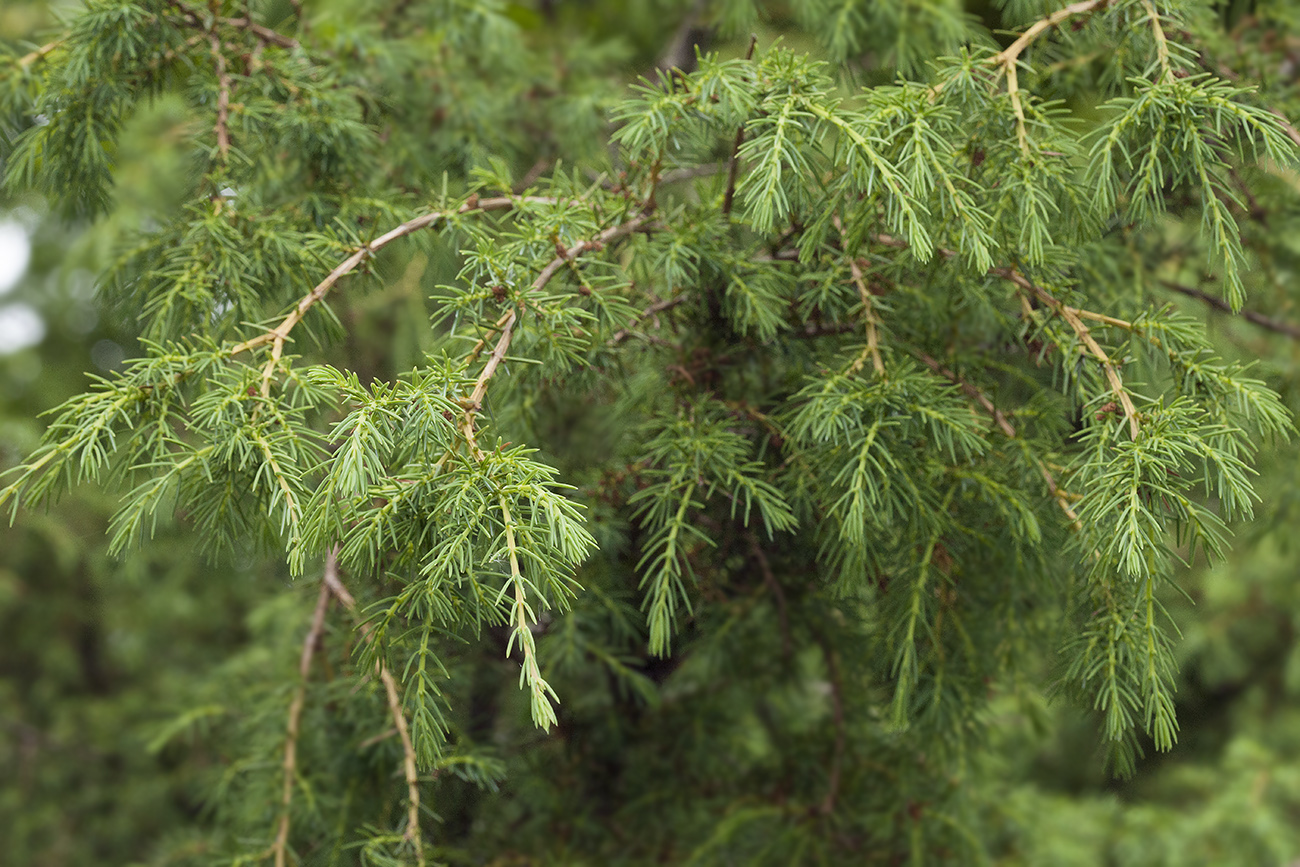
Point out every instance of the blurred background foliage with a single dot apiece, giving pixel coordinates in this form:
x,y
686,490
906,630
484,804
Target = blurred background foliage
x,y
111,671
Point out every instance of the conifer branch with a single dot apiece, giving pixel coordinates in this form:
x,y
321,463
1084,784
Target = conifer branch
x,y
1061,497
652,310
222,128
40,53
1071,315
1162,42
278,335
508,321
872,348
1274,325
971,391
412,833
279,847
1010,56
265,34
733,164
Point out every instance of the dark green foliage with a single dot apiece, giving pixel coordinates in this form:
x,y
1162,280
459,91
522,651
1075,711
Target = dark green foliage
x,y
772,433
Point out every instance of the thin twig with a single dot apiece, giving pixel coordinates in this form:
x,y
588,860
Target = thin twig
x,y
1061,497
1084,334
998,417
278,335
507,324
733,165
1010,56
1073,316
39,54
290,764
223,98
653,309
837,715
1162,42
412,834
1259,319
263,33
868,313
778,593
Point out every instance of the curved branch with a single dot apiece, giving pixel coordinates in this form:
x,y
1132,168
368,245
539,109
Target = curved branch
x,y
333,584
278,335
508,321
279,848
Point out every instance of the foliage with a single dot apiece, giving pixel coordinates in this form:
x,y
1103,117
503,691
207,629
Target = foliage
x,y
783,421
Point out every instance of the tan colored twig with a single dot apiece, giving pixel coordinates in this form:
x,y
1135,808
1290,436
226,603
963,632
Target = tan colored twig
x,y
971,391
1073,317
223,97
263,33
412,834
1010,56
279,848
733,164
872,349
510,319
1062,498
651,311
40,53
1162,42
278,335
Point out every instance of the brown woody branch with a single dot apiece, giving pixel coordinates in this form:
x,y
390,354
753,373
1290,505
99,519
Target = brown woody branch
x,y
653,310
334,585
1062,498
506,325
1274,325
1010,56
39,54
872,349
278,335
223,98
1073,317
279,847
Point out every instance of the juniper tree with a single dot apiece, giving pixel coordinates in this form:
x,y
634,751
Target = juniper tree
x,y
771,419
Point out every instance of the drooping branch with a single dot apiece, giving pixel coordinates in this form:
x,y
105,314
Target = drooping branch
x,y
1007,59
279,847
222,127
278,335
40,53
1061,497
1274,325
1073,318
507,323
334,585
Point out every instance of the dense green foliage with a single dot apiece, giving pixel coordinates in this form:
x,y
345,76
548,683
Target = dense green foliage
x,y
723,466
